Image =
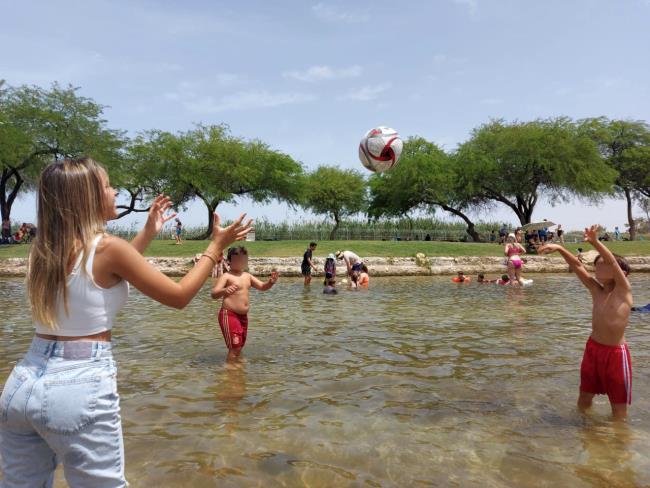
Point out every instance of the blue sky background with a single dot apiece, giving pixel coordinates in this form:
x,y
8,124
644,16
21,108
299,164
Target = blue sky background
x,y
310,77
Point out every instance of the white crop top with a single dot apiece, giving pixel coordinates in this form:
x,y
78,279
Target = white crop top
x,y
91,308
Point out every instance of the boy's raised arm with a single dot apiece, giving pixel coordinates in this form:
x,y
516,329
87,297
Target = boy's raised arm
x,y
574,263
591,236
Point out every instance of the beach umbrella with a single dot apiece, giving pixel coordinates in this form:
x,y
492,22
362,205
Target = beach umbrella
x,y
538,225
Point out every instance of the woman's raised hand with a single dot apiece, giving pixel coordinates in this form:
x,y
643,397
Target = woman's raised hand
x,y
157,217
237,231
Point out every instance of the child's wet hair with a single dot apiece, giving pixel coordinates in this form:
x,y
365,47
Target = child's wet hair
x,y
481,276
620,260
237,251
364,268
505,277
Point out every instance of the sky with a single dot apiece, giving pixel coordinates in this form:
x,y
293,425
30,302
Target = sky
x,y
311,77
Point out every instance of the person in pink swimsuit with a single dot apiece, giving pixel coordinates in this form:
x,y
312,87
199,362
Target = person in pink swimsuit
x,y
513,250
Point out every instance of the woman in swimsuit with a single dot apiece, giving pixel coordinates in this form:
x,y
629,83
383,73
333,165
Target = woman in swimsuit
x,y
512,251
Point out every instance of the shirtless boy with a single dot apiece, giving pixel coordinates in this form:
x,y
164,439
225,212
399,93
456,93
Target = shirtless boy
x,y
234,287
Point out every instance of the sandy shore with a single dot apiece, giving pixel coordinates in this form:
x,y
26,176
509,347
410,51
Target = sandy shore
x,y
378,266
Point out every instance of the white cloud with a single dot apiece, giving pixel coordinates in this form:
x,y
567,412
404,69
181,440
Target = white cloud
x,y
331,13
367,93
472,6
320,73
245,101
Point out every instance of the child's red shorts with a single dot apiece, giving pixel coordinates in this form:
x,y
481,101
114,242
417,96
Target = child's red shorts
x,y
607,370
234,328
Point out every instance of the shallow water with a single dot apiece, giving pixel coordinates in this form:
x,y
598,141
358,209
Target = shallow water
x,y
418,382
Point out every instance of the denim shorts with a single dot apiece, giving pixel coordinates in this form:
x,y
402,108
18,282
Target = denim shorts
x,y
60,405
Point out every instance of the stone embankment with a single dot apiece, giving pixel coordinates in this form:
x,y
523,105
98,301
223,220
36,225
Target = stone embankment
x,y
420,265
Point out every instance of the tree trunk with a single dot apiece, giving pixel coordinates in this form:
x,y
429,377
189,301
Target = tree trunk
x,y
471,230
337,221
211,205
630,218
7,200
523,207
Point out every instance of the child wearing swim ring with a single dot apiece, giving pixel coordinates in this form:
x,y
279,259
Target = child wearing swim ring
x,y
504,280
461,278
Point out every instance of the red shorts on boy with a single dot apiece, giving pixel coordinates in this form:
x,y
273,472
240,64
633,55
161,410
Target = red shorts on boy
x,y
234,328
607,370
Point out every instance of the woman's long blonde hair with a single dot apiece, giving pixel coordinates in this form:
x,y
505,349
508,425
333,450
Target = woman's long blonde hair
x,y
71,212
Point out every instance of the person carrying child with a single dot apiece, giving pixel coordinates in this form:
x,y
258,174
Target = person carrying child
x,y
606,364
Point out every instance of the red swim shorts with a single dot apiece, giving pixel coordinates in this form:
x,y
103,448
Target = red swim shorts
x,y
607,370
234,328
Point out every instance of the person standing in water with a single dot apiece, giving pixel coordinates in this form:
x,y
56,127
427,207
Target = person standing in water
x,y
606,366
352,261
233,287
60,402
307,263
513,250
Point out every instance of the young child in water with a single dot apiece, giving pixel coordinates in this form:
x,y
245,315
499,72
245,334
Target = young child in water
x,y
364,277
483,280
606,364
504,280
329,288
233,286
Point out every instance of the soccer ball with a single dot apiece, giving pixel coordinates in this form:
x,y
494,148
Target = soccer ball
x,y
380,149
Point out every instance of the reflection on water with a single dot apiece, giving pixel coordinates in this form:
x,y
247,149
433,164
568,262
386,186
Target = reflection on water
x,y
417,382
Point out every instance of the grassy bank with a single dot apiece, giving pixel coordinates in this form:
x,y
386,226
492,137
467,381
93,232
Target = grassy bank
x,y
363,248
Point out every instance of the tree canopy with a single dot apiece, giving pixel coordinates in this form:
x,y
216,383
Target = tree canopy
x,y
511,163
42,125
425,178
334,192
625,147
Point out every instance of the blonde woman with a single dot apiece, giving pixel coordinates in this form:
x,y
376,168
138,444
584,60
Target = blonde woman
x,y
513,251
60,402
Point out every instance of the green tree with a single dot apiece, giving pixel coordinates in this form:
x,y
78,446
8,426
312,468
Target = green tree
x,y
150,167
425,178
513,163
210,164
38,126
221,168
625,146
335,192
